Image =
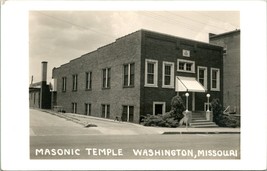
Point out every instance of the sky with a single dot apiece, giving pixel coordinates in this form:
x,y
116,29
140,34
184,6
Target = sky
x,y
60,36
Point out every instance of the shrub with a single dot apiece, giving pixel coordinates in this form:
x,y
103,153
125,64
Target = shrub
x,y
223,120
160,120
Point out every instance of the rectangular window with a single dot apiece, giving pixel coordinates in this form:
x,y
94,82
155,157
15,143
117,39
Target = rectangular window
x,y
159,108
127,113
74,107
202,76
215,79
151,73
128,75
88,84
87,109
106,78
74,82
105,111
168,75
185,66
64,84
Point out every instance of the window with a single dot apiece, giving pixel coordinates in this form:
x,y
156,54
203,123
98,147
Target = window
x,y
202,76
128,75
215,79
74,107
74,82
168,75
186,66
64,84
87,109
106,78
88,83
105,111
151,73
158,108
127,113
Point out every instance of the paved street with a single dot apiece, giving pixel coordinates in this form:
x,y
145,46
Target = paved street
x,y
53,137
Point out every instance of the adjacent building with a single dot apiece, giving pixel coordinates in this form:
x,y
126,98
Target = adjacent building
x,y
39,92
138,74
230,41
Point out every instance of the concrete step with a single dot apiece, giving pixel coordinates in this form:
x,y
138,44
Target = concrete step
x,y
204,124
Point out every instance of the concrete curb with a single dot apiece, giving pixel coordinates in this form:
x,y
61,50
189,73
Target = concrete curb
x,y
198,132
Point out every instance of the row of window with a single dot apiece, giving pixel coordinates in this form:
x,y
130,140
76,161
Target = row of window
x,y
127,111
128,78
151,73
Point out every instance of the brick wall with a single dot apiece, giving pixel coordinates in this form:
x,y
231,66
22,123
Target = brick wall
x,y
231,63
168,48
123,51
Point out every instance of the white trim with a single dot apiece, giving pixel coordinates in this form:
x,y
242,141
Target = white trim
x,y
186,62
163,107
155,62
172,74
205,76
218,79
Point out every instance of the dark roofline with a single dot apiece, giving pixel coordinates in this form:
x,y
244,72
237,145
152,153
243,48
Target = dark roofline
x,y
177,37
211,35
140,30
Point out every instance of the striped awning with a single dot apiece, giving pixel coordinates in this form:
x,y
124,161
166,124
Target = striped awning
x,y
188,84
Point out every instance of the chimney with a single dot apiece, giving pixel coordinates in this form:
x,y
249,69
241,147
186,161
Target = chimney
x,y
44,71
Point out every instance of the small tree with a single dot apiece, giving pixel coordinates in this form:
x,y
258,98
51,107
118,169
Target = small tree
x,y
177,108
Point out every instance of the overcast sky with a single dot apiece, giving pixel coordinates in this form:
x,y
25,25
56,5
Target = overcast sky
x,y
60,36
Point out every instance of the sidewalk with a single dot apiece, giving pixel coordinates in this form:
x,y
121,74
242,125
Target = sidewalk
x,y
88,121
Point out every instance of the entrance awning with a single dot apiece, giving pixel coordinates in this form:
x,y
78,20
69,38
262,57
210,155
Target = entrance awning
x,y
189,84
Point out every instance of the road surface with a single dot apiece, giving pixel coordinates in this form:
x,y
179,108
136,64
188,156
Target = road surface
x,y
56,138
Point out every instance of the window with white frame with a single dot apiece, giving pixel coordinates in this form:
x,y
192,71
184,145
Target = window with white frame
x,y
159,108
128,75
168,75
215,79
87,110
185,66
74,82
202,76
64,84
105,111
88,80
106,78
151,73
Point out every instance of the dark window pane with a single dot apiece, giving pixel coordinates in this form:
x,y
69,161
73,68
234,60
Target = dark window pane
x,y
167,80
150,68
167,70
150,78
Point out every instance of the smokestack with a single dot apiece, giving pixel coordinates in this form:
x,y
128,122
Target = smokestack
x,y
44,71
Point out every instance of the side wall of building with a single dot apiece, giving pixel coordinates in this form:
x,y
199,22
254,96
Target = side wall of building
x,y
231,63
34,98
125,50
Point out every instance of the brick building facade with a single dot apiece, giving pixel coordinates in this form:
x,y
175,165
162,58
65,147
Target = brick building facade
x,y
138,74
231,72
